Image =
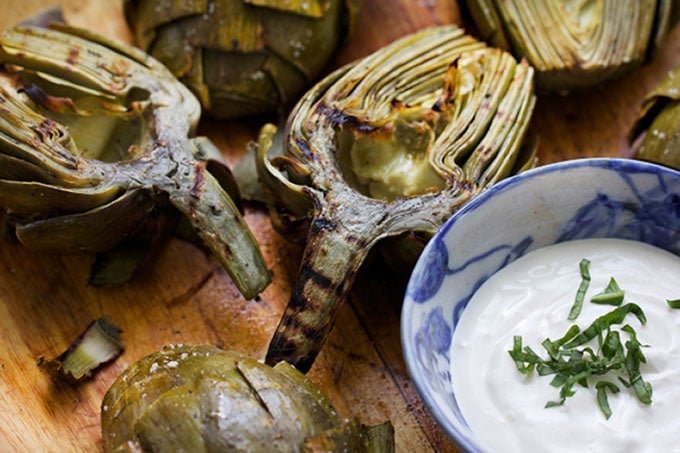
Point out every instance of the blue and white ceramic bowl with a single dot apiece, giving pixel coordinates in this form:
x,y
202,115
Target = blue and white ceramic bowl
x,y
577,199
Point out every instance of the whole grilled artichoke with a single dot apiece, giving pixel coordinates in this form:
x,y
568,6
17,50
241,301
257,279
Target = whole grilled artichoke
x,y
393,143
204,399
95,148
575,43
658,125
241,57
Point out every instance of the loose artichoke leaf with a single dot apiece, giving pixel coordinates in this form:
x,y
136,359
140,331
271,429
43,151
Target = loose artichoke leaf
x,y
96,346
118,266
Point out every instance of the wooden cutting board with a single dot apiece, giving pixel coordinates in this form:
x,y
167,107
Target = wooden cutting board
x,y
45,301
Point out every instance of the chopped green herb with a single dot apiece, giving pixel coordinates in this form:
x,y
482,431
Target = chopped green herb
x,y
604,322
573,361
673,303
612,294
602,400
581,292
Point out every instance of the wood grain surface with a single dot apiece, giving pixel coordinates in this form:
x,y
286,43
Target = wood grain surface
x,y
45,301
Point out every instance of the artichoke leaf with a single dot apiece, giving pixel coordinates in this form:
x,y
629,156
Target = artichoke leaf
x,y
172,423
391,144
96,230
308,8
25,198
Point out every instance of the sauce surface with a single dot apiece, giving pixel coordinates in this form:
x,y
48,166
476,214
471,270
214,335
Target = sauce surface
x,y
532,297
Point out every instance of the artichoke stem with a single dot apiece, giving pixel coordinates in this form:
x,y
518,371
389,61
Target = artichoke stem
x,y
332,256
217,221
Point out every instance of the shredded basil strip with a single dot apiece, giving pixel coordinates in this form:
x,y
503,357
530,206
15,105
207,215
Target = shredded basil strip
x,y
601,324
581,292
602,400
571,362
612,294
673,303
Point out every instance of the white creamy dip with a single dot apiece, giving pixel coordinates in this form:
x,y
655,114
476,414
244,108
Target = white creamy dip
x,y
532,297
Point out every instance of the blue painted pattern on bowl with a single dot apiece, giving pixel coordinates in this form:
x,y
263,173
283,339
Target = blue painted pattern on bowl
x,y
576,199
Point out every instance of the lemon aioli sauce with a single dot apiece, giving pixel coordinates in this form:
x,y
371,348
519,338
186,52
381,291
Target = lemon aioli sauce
x,y
531,297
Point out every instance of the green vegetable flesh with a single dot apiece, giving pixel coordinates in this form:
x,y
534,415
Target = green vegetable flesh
x,y
581,293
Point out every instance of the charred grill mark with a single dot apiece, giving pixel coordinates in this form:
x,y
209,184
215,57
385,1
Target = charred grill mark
x,y
280,347
73,54
322,224
46,129
304,147
305,362
51,103
320,280
199,179
338,117
297,299
283,348
449,90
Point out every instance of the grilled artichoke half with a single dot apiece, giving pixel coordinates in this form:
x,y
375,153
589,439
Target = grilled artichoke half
x,y
575,43
94,140
390,144
241,57
657,124
204,399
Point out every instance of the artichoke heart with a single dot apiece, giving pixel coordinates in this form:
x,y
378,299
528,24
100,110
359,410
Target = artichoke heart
x,y
575,43
391,144
204,399
242,57
657,123
95,142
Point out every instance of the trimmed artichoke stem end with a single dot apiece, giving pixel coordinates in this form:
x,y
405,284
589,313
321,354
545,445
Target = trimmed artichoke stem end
x,y
331,259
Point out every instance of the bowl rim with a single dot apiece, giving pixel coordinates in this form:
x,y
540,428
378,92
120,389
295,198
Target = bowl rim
x,y
406,332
